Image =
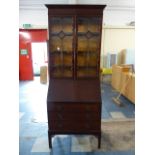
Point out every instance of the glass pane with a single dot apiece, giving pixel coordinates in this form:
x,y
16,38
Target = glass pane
x,y
94,25
56,60
67,73
88,46
91,72
88,72
61,59
62,24
64,45
61,46
67,60
87,60
55,44
56,25
82,44
87,51
85,44
94,43
81,73
92,61
88,24
67,44
83,24
62,72
67,25
57,72
81,60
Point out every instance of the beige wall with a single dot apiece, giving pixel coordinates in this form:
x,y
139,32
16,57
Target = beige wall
x,y
114,39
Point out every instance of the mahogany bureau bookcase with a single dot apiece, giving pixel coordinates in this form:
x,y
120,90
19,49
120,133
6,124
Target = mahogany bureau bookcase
x,y
74,97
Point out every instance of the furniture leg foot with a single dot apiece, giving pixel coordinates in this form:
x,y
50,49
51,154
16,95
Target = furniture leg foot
x,y
49,140
99,141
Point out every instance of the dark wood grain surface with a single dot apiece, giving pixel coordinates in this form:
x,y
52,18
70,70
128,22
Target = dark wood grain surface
x,y
74,94
70,90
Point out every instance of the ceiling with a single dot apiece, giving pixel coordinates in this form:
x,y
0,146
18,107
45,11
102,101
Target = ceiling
x,y
111,4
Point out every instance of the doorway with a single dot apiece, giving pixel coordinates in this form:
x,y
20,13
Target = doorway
x,y
39,56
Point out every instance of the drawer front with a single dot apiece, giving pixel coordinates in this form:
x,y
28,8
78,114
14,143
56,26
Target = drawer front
x,y
68,126
75,107
76,116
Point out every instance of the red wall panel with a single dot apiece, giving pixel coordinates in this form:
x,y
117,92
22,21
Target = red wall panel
x,y
26,37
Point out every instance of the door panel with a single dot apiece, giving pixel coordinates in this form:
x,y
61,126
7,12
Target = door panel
x,y
61,46
25,63
88,43
26,37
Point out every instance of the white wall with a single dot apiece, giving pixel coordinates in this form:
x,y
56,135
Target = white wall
x,y
118,17
115,39
117,14
39,18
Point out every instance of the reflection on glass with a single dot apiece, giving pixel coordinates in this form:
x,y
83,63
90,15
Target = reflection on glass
x,y
94,44
67,44
58,44
62,24
61,46
57,72
88,24
92,60
86,73
67,73
55,44
88,46
81,60
82,44
56,60
67,60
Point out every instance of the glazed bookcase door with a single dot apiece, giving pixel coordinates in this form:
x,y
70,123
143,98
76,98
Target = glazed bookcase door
x,y
88,43
61,47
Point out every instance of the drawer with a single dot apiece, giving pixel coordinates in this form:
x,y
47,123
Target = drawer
x,y
68,126
76,116
75,107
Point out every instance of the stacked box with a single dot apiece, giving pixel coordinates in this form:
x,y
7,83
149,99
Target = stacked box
x,y
128,81
116,76
43,74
